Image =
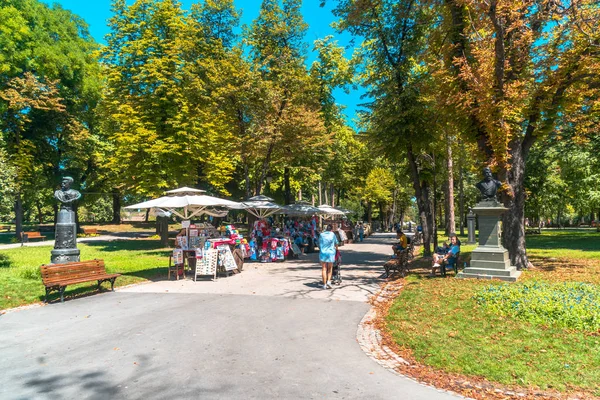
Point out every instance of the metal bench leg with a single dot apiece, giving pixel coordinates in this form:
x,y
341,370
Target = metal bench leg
x,y
112,284
61,290
46,297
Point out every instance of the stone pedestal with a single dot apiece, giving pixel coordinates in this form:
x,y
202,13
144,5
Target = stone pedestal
x,y
490,259
471,227
65,243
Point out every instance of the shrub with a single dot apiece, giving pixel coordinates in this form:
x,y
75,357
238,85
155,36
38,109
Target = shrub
x,y
5,261
571,305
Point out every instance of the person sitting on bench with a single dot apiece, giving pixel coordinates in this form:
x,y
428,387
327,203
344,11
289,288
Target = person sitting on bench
x,y
447,253
402,241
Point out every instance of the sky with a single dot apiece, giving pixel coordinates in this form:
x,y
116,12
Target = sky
x,y
97,12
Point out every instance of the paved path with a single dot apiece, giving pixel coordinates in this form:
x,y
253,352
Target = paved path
x,y
268,333
99,238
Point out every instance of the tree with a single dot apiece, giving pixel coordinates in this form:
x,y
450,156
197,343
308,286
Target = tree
x,y
46,62
515,67
287,129
398,119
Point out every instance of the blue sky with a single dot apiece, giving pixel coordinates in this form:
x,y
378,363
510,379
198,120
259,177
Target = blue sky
x,y
96,12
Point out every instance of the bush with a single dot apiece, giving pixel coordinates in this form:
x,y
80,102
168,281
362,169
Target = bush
x,y
571,305
5,261
29,272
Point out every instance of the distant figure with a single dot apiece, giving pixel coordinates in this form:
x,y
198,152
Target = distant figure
x,y
488,186
66,195
360,228
410,226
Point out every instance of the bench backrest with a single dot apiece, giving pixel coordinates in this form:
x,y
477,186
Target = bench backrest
x,y
59,272
32,234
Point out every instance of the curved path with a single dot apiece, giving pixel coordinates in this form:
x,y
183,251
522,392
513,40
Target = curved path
x,y
267,333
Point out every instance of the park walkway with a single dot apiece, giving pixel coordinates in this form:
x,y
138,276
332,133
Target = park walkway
x,y
267,333
99,238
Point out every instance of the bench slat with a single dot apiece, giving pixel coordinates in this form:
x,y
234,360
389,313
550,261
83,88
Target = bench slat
x,y
85,279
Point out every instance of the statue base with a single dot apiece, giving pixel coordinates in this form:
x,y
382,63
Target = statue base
x,y
490,259
62,256
65,243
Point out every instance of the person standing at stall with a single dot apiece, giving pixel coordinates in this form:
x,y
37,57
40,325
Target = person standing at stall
x,y
328,245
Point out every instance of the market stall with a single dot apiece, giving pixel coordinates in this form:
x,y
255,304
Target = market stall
x,y
195,240
302,225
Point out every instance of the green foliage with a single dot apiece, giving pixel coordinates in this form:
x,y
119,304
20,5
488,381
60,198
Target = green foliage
x,y
5,261
573,305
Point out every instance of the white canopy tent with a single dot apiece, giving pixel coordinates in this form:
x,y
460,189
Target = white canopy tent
x,y
300,208
187,206
260,206
326,209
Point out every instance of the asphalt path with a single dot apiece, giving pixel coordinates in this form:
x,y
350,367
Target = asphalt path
x,y
202,344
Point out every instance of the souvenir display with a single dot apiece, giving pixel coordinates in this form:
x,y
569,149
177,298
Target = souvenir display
x,y
206,263
226,260
177,256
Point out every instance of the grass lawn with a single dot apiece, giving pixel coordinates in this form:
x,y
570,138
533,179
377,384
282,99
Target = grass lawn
x,y
20,280
438,323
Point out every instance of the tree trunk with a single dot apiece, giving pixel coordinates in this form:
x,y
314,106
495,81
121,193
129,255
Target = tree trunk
x,y
116,207
446,209
513,221
287,190
332,195
320,198
247,181
38,206
300,194
423,202
461,196
19,215
370,214
451,227
394,203
147,216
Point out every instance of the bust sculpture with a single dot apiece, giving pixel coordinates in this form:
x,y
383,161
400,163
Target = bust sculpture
x,y
66,195
488,186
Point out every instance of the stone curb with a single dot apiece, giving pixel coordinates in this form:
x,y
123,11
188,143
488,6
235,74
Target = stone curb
x,y
370,341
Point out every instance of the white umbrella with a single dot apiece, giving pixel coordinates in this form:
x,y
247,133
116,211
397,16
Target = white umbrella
x,y
299,208
186,190
260,197
260,208
192,205
328,210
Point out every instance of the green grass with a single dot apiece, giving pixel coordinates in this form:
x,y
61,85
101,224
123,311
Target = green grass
x,y
443,326
20,280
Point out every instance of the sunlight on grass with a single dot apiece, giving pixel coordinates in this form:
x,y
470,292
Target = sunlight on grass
x,y
442,324
137,260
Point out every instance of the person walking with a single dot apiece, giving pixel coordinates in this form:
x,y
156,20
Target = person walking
x,y
360,228
328,245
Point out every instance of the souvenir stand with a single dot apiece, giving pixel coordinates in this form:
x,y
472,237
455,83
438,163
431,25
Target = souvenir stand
x,y
302,229
340,227
266,244
194,242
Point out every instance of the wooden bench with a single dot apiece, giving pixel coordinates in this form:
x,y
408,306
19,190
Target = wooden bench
x,y
90,231
5,228
33,235
444,264
58,276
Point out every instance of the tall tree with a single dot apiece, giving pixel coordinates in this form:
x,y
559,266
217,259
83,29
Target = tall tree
x,y
289,123
394,37
46,61
517,66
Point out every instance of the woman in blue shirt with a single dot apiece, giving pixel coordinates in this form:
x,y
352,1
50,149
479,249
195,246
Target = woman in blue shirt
x,y
450,256
328,244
